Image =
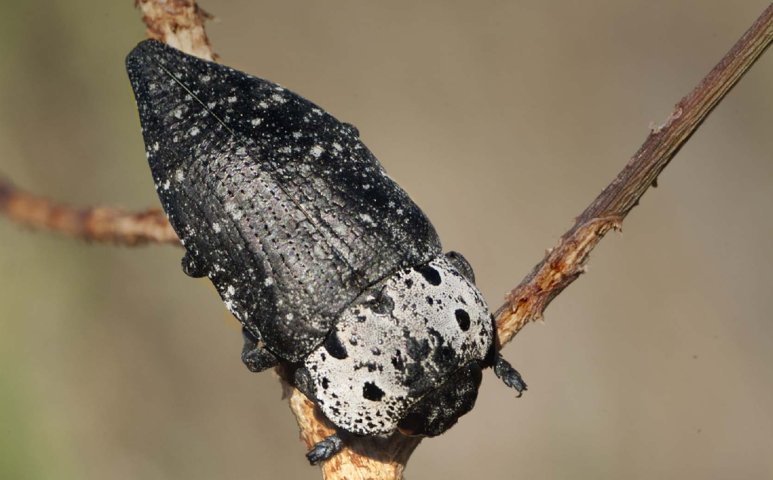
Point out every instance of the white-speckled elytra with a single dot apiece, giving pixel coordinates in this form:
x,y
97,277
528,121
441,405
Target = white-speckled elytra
x,y
330,267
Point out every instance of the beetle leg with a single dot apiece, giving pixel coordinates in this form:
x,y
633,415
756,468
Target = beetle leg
x,y
325,449
255,355
508,374
191,267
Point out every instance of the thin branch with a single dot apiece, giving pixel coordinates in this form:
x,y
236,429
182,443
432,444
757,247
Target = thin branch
x,y
181,23
178,23
565,262
97,224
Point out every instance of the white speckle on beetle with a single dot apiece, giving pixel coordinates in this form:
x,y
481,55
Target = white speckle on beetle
x,y
256,121
179,175
216,227
316,150
232,99
268,281
235,212
367,219
278,98
194,131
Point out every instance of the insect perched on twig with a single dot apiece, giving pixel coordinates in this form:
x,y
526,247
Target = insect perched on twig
x,y
330,267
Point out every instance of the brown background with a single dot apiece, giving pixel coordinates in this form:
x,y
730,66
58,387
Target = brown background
x,y
503,120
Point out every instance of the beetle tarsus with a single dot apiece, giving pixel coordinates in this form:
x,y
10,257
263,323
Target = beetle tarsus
x,y
255,355
325,449
509,375
191,267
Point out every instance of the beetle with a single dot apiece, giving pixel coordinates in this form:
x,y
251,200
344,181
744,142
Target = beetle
x,y
329,266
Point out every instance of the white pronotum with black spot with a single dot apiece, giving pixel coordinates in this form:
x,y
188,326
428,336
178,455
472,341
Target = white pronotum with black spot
x,y
330,267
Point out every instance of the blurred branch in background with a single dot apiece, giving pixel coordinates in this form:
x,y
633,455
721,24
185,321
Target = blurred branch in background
x,y
180,23
97,224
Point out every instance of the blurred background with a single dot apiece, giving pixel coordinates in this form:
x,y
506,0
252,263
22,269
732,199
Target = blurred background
x,y
503,120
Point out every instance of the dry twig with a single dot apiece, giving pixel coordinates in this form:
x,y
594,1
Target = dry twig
x,y
565,262
180,23
98,224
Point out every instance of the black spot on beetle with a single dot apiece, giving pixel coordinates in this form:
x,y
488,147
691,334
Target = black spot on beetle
x,y
370,391
397,362
463,319
418,349
444,355
325,383
334,346
430,300
430,274
414,377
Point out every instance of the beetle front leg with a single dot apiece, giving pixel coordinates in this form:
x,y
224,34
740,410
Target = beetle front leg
x,y
325,449
508,374
191,267
255,355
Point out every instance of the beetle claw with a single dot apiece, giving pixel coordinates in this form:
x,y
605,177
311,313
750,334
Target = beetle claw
x,y
509,375
325,449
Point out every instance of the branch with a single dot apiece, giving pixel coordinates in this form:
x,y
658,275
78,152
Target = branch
x,y
564,263
180,23
98,224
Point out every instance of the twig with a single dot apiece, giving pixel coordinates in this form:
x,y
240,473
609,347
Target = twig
x,y
181,23
565,262
98,224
